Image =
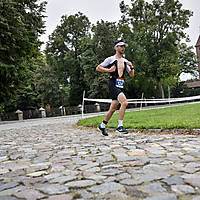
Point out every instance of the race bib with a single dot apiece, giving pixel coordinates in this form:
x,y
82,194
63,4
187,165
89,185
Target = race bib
x,y
119,83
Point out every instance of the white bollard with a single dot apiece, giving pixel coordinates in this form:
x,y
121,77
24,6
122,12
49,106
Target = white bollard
x,y
98,109
20,114
61,110
43,112
80,107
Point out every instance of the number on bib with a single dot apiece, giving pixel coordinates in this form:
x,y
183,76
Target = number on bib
x,y
119,83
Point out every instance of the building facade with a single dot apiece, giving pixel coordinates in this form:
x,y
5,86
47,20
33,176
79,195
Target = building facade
x,y
198,53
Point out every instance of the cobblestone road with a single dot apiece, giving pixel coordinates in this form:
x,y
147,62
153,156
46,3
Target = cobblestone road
x,y
53,159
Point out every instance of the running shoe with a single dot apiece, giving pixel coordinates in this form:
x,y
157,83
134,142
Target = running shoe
x,y
121,129
103,130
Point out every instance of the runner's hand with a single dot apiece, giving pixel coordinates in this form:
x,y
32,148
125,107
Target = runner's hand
x,y
112,69
129,64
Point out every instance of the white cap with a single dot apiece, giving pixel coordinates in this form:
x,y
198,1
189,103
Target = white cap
x,y
121,44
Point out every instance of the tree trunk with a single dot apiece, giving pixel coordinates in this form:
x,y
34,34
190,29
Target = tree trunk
x,y
161,91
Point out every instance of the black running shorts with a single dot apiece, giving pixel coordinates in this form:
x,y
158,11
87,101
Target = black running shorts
x,y
115,91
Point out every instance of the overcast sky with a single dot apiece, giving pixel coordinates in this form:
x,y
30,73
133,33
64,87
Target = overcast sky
x,y
108,10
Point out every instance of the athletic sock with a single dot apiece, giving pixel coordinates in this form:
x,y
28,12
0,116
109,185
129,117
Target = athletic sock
x,y
120,123
103,124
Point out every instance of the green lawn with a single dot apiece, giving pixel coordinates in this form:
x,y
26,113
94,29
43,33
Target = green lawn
x,y
178,117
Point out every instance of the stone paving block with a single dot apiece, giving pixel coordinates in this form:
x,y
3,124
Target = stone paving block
x,y
70,173
37,174
152,176
110,179
53,176
154,188
85,194
118,196
57,168
137,152
105,158
192,179
182,189
12,191
94,169
29,194
8,198
157,167
52,188
125,158
29,181
63,179
110,172
80,184
96,177
61,197
164,197
38,167
193,165
7,186
106,188
134,193
3,158
173,180
16,173
111,166
135,163
123,176
131,182
4,171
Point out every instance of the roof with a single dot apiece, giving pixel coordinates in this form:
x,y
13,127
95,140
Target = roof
x,y
198,42
194,84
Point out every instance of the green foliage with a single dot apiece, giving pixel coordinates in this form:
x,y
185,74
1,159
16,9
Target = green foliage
x,y
156,29
47,85
104,35
140,84
89,61
187,59
165,118
21,24
75,48
64,52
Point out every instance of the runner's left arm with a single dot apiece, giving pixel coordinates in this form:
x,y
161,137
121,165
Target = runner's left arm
x,y
130,69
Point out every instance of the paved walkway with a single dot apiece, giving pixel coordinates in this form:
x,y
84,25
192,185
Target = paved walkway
x,y
53,159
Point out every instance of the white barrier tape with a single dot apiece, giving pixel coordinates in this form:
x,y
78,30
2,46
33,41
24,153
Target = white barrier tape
x,y
142,101
99,100
171,100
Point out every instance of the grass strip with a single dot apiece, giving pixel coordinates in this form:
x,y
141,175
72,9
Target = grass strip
x,y
178,117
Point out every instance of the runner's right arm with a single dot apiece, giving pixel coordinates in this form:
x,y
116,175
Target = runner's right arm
x,y
104,64
103,69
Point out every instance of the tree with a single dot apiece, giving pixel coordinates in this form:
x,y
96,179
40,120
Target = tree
x,y
47,85
21,24
64,53
89,61
104,36
156,30
187,59
26,95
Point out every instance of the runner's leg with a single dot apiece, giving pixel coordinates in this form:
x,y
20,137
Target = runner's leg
x,y
123,101
112,109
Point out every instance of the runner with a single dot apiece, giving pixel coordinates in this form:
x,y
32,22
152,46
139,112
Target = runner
x,y
116,65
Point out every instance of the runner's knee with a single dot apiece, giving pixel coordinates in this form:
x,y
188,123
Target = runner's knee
x,y
112,110
124,104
